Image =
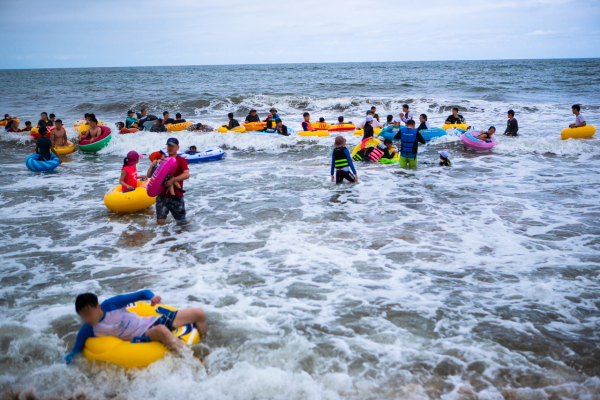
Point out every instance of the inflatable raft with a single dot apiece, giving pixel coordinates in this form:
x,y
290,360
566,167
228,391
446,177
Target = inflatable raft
x,y
314,133
136,355
360,132
464,127
320,126
341,127
578,133
207,155
138,199
178,127
253,126
84,127
35,132
238,129
471,141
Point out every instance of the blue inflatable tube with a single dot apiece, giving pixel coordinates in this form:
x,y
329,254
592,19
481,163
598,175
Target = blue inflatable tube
x,y
207,155
427,134
34,164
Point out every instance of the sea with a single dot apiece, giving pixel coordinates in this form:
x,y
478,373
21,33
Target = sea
x,y
477,281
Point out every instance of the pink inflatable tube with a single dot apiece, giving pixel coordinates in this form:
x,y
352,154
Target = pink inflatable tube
x,y
166,167
474,143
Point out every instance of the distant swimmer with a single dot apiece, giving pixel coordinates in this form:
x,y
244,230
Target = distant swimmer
x,y
444,159
409,148
486,136
233,123
252,116
59,135
44,121
274,115
93,132
131,120
13,126
306,125
512,127
178,119
406,115
167,118
129,176
341,163
579,120
111,318
389,121
280,128
424,124
375,123
27,127
455,118
193,150
341,121
159,126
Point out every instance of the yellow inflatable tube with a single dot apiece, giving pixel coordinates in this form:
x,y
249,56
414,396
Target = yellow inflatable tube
x,y
360,132
238,129
3,123
368,143
178,127
578,133
62,150
314,133
254,126
136,355
321,126
453,126
85,127
117,201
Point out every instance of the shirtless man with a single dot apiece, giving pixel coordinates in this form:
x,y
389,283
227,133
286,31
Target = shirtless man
x,y
59,135
94,132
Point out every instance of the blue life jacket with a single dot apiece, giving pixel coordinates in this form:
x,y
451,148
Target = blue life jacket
x,y
409,143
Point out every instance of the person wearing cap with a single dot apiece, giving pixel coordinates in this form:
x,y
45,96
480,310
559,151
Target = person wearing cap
x,y
274,114
375,122
406,115
131,119
445,158
341,162
410,139
394,128
252,117
424,124
129,176
166,202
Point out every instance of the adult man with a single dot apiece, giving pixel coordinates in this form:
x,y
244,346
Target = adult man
x,y
373,112
167,119
455,118
59,135
579,120
252,117
410,138
166,203
178,119
94,131
405,115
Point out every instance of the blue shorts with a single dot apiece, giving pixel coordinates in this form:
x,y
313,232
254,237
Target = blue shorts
x,y
165,319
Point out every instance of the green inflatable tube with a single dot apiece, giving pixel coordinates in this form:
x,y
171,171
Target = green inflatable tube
x,y
96,146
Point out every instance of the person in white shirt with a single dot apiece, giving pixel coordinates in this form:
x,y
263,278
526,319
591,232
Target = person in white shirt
x,y
375,124
406,115
579,120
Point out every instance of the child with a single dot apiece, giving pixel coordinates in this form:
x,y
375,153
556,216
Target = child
x,y
129,176
111,318
43,146
27,127
322,120
280,128
579,120
131,120
9,121
59,135
274,115
341,121
410,139
373,112
390,150
486,136
192,150
155,159
306,125
512,127
269,123
445,158
341,162
406,115
13,126
394,128
390,119
233,123
424,124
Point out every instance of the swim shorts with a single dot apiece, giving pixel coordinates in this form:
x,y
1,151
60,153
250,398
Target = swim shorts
x,y
174,205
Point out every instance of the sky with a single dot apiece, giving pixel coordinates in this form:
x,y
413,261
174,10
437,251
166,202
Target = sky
x,y
107,33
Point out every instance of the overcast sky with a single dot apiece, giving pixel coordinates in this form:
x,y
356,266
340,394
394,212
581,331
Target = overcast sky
x,y
69,33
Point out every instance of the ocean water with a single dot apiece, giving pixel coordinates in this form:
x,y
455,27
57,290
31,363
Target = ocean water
x,y
479,281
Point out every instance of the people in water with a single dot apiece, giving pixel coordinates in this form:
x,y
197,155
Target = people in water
x,y
27,127
368,131
178,119
406,115
94,131
129,176
423,123
252,117
167,119
455,118
159,126
512,127
579,120
111,318
155,158
122,129
52,119
233,123
166,202
341,121
375,123
269,124
7,118
43,146
306,125
486,136
280,128
131,120
394,128
199,127
444,158
44,121
373,112
13,126
341,163
390,151
389,121
192,150
410,139
59,134
274,115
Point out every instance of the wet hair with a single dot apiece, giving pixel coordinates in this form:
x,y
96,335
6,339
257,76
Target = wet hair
x,y
387,141
125,161
390,117
120,125
86,115
405,106
85,300
27,123
43,130
130,112
93,119
321,119
159,121
165,113
576,107
278,120
59,120
178,115
340,119
305,114
511,112
52,116
6,115
492,127
230,115
410,122
45,113
92,115
455,109
424,116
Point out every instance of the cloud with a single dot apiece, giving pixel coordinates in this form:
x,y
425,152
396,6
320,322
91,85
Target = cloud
x,y
540,32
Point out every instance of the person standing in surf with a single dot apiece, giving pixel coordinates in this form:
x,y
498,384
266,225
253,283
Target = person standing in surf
x,y
512,127
165,202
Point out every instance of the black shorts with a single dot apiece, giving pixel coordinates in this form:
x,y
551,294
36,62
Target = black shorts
x,y
174,205
340,175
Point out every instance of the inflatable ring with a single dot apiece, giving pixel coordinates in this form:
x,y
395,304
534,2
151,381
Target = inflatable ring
x,y
98,143
360,132
35,131
320,126
34,164
464,127
207,155
427,134
166,167
124,131
68,149
578,133
392,160
136,355
314,133
78,122
369,143
238,129
471,141
85,127
138,199
253,126
178,127
341,127
3,123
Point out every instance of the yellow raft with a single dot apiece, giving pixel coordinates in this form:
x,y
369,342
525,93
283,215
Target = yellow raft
x,y
578,133
360,132
136,355
178,127
85,127
464,127
238,129
314,133
62,150
254,126
117,201
321,126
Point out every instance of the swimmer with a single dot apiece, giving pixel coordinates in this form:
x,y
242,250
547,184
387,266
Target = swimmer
x,y
341,121
306,125
444,159
455,118
13,126
27,127
178,119
59,135
111,318
233,123
274,115
512,127
423,123
280,128
486,136
389,121
579,120
405,115
131,120
93,132
129,175
252,116
192,150
341,163
199,127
